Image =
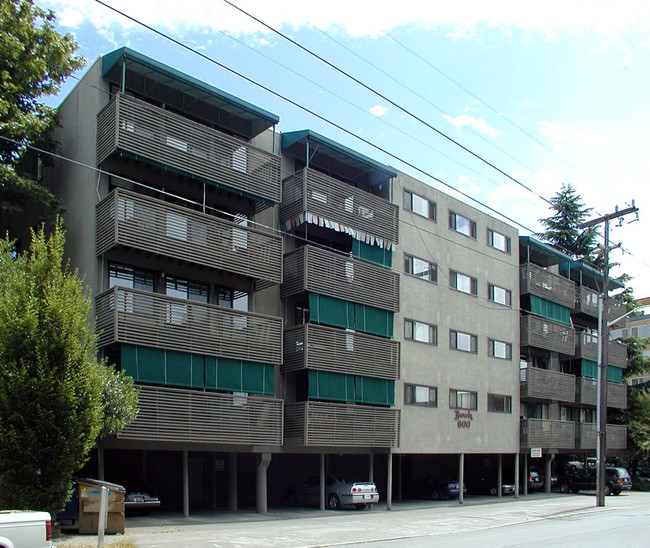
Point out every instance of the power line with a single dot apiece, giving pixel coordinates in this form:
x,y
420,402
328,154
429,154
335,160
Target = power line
x,y
390,101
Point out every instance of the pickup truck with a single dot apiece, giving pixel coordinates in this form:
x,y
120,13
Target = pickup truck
x,y
585,480
25,529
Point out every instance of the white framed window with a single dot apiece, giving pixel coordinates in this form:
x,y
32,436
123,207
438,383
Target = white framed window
x,y
463,399
420,332
463,282
415,394
499,349
462,224
499,295
420,268
465,342
499,403
419,205
498,241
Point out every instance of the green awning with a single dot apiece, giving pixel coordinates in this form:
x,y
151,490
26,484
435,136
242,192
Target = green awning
x,y
538,252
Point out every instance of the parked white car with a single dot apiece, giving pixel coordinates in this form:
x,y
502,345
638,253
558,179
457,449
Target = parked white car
x,y
340,490
25,529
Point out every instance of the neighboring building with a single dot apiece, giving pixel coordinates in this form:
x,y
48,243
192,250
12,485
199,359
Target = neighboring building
x,y
638,327
288,306
559,345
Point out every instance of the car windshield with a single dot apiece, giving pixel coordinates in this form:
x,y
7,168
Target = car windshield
x,y
345,479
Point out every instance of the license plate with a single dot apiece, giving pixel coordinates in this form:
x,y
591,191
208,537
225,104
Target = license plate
x,y
367,497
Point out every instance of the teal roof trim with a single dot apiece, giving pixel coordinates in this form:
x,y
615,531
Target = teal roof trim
x,y
109,60
552,255
291,138
591,272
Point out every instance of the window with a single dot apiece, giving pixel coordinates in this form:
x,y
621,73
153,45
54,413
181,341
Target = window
x,y
419,205
463,282
127,276
499,295
498,403
415,394
420,268
499,349
462,399
463,341
185,289
462,224
498,241
421,332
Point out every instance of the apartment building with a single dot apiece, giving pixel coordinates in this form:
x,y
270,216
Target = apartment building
x,y
289,307
638,327
559,356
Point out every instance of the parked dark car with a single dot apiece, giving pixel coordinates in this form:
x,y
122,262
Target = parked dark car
x,y
643,470
535,480
622,476
430,486
340,490
487,485
140,502
585,480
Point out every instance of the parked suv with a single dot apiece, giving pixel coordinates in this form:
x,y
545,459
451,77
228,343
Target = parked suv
x,y
622,477
585,480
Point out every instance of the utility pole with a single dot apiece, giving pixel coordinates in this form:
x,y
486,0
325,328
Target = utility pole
x,y
603,339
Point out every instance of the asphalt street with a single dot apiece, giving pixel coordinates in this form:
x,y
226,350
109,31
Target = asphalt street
x,y
535,520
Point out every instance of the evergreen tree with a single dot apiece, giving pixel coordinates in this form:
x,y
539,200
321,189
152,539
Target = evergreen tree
x,y
55,397
562,227
34,61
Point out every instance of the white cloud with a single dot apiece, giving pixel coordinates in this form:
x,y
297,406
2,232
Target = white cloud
x,y
362,18
378,110
477,124
568,137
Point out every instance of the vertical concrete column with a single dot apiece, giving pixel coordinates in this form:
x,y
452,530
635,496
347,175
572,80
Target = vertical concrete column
x,y
461,477
389,482
371,467
400,462
547,472
525,473
262,466
100,463
500,477
516,475
144,467
232,482
186,484
322,482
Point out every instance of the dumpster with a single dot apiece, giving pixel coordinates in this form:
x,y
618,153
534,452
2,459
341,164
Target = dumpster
x,y
89,495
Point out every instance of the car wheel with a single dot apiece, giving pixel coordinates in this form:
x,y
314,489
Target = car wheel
x,y
565,488
616,493
333,502
435,495
608,490
575,490
359,506
493,491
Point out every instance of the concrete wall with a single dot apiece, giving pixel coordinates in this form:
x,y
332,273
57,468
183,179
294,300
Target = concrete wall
x,y
435,430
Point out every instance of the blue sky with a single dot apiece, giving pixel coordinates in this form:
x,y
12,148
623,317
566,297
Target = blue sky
x,y
549,93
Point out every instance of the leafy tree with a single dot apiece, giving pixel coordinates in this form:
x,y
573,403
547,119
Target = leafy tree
x,y
562,227
34,61
55,397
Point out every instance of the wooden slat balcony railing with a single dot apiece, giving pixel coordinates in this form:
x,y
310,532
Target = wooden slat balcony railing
x,y
150,319
586,301
318,347
588,393
310,191
144,223
542,333
616,437
326,424
189,416
547,434
535,280
317,270
548,385
587,348
136,127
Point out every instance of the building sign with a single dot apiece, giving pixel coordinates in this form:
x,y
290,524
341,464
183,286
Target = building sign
x,y
535,452
463,419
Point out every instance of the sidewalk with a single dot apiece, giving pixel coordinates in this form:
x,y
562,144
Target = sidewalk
x,y
289,527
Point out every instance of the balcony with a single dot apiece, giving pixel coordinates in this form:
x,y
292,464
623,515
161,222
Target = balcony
x,y
160,136
331,199
187,416
535,280
312,346
325,424
547,434
615,438
587,348
586,302
547,385
315,270
140,222
150,319
588,393
542,333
